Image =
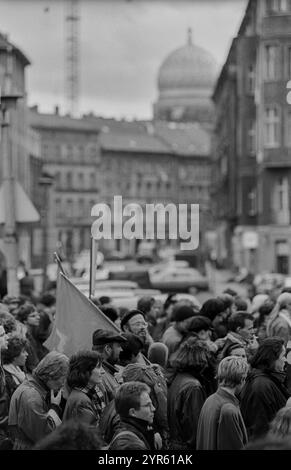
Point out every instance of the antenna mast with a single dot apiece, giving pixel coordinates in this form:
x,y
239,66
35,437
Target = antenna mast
x,y
72,56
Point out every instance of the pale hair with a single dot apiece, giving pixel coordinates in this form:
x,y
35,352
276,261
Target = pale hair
x,y
53,366
281,424
281,303
232,371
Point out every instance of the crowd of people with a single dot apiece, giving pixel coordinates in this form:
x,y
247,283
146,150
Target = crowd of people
x,y
178,376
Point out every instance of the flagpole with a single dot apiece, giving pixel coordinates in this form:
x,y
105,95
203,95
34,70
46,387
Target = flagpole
x,y
93,264
59,263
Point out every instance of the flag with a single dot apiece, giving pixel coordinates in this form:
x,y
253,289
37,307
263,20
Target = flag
x,y
76,319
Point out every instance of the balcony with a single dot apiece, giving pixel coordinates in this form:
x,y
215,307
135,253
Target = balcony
x,y
277,158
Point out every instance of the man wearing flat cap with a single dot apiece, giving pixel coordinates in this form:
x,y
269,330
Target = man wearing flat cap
x,y
108,344
134,322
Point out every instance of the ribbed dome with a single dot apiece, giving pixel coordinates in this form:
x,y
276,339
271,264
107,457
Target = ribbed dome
x,y
189,66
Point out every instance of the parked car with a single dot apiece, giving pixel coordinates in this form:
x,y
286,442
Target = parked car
x,y
179,280
180,296
118,284
137,274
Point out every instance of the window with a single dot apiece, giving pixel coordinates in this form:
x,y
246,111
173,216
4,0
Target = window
x,y
58,207
272,128
288,129
252,202
223,166
69,180
251,140
81,207
69,208
281,201
271,62
279,5
57,179
92,180
81,180
251,79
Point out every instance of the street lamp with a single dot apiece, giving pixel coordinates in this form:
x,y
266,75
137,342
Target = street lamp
x,y
8,102
45,181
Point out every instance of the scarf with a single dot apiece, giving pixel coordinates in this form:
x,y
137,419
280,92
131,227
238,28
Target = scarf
x,y
17,374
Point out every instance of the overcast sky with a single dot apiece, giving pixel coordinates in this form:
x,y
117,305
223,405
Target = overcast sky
x,y
122,45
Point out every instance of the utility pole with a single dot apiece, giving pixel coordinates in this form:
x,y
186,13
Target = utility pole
x,y
8,102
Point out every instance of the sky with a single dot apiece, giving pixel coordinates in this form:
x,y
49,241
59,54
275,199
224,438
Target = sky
x,y
122,44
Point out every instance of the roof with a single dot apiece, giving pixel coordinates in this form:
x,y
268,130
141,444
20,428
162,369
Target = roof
x,y
4,44
58,122
182,139
134,142
112,124
185,140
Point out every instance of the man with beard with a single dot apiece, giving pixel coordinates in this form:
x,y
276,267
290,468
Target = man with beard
x,y
134,322
108,345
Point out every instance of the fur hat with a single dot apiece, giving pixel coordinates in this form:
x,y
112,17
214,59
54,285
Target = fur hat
x,y
182,312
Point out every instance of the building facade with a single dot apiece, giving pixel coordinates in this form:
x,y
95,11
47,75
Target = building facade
x,y
251,143
71,155
94,159
23,149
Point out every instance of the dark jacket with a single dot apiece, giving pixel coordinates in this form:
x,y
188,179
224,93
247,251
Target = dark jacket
x,y
221,425
263,394
109,422
81,407
31,415
4,405
185,400
139,435
109,381
11,385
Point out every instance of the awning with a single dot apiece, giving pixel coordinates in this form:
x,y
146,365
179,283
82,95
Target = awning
x,y
25,210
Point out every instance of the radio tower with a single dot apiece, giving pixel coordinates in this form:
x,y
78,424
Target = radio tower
x,y
72,55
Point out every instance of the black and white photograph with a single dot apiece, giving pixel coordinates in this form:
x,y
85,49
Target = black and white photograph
x,y
145,228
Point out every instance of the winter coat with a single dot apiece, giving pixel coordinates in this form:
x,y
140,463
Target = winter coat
x,y
31,416
234,338
110,383
136,435
263,394
80,407
172,339
220,425
4,406
13,380
185,400
281,326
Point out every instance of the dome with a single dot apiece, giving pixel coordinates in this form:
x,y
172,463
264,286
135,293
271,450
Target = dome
x,y
189,66
185,83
